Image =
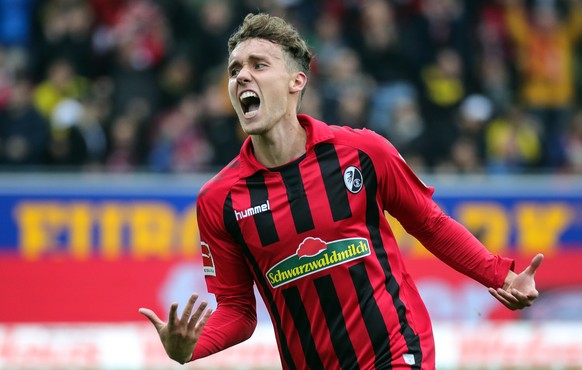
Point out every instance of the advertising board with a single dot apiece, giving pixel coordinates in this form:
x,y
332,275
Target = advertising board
x,y
83,250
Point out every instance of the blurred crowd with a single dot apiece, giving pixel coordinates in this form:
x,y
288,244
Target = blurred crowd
x,y
457,86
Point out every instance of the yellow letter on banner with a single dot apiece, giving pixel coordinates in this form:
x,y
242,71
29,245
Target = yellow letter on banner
x,y
541,225
112,218
188,237
152,229
80,225
39,224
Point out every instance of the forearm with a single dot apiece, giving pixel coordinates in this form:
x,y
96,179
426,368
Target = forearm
x,y
457,247
516,22
233,322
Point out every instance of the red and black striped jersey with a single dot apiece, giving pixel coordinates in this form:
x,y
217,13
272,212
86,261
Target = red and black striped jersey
x,y
312,235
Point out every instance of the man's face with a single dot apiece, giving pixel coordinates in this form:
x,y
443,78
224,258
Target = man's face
x,y
260,85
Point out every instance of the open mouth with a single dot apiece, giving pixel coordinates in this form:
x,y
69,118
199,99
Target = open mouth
x,y
250,103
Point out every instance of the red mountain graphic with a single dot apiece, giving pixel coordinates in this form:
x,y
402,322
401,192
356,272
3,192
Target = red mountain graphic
x,y
311,247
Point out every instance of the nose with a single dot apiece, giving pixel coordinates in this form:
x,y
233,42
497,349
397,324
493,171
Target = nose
x,y
243,76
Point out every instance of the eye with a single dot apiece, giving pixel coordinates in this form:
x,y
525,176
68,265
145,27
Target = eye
x,y
260,65
233,72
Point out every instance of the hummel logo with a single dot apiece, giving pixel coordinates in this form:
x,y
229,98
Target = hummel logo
x,y
252,211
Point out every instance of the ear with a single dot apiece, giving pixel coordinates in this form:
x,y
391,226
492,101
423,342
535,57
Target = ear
x,y
297,84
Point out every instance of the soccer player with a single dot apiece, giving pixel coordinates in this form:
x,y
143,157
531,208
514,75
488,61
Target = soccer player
x,y
300,214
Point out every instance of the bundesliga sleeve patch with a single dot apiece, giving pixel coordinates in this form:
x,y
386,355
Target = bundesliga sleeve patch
x,y
207,260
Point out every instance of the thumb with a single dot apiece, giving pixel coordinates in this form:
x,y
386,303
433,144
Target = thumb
x,y
535,263
151,315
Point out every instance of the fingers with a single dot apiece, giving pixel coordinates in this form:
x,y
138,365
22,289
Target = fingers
x,y
151,315
188,309
187,319
172,317
535,263
200,325
514,300
504,301
518,299
196,320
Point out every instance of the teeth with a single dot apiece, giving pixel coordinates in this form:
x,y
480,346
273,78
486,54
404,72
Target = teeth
x,y
248,94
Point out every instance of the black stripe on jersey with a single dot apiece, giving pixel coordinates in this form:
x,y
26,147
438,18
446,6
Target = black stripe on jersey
x,y
332,309
303,326
297,199
373,224
264,220
333,179
233,228
372,316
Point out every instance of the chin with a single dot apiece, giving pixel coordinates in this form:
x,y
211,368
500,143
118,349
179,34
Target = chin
x,y
252,126
249,130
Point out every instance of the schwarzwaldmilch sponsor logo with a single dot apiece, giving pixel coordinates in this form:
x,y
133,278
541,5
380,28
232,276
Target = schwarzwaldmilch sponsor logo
x,y
252,211
313,254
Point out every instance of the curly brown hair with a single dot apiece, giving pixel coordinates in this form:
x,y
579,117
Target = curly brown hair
x,y
275,30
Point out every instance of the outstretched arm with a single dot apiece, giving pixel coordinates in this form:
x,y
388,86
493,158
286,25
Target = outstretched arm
x,y
519,291
410,201
233,321
180,334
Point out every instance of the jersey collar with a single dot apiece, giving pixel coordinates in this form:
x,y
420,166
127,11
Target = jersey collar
x,y
317,132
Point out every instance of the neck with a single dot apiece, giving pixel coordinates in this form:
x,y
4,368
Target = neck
x,y
281,145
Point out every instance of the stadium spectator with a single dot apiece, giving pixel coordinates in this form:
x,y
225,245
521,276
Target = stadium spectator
x,y
573,144
157,52
385,59
467,153
345,89
179,143
439,24
513,142
7,76
208,32
494,62
442,92
24,133
122,155
406,131
15,23
220,124
545,40
328,39
177,79
61,82
65,32
141,43
79,140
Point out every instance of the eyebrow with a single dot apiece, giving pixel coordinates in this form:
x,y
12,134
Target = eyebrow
x,y
252,57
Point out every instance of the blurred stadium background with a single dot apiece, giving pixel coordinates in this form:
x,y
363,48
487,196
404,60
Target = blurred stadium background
x,y
113,113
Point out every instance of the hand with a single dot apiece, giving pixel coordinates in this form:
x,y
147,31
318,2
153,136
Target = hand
x,y
180,335
519,291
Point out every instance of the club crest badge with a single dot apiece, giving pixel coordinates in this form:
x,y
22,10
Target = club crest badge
x,y
353,179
